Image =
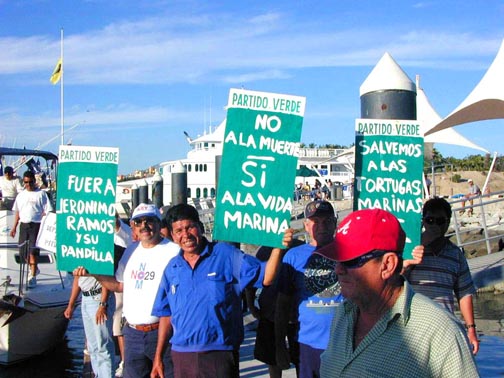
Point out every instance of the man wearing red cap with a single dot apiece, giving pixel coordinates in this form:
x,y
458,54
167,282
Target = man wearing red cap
x,y
384,328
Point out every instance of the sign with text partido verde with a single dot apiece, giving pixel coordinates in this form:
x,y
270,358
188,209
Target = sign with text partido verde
x,y
85,208
258,168
388,172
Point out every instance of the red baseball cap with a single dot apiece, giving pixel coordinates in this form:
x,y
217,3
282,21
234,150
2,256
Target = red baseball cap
x,y
367,230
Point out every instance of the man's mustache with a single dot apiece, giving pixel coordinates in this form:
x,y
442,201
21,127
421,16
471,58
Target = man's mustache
x,y
146,228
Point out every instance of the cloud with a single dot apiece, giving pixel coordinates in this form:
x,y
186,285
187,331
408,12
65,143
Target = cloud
x,y
198,48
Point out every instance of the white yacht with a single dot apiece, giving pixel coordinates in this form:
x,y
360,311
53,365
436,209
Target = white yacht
x,y
31,319
203,161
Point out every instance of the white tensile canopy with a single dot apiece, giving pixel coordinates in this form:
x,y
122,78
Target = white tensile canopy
x,y
486,101
430,118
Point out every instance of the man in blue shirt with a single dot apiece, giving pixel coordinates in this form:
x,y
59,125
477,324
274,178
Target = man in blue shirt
x,y
308,282
199,299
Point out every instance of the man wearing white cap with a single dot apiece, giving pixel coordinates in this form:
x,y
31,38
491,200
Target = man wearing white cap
x,y
138,276
474,191
384,328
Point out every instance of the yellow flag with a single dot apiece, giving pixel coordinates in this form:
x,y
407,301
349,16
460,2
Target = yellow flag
x,y
56,75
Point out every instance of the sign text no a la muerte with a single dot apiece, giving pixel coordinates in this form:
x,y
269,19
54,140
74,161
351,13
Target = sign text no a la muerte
x,y
256,180
85,208
389,172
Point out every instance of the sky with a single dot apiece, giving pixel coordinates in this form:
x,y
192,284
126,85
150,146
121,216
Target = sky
x,y
138,73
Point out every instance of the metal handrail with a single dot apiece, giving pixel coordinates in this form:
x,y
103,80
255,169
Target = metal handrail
x,y
479,202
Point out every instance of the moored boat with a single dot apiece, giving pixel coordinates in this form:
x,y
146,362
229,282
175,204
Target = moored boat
x,y
31,319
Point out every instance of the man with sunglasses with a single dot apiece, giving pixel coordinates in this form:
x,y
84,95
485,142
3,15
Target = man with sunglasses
x,y
308,284
384,328
10,187
444,274
138,276
30,206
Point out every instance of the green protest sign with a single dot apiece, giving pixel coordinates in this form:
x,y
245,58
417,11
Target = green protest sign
x,y
388,172
85,208
259,158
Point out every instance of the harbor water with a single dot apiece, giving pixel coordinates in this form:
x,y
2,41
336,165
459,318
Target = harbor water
x,y
67,360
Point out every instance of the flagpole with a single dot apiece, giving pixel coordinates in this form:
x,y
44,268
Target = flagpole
x,y
61,93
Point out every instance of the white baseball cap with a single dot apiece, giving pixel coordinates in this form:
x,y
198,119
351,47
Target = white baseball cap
x,y
146,210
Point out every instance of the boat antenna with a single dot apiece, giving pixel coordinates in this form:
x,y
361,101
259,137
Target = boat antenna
x,y
188,138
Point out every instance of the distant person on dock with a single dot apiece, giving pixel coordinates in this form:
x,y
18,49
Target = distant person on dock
x,y
384,328
444,274
97,308
30,206
308,284
199,302
138,276
474,191
428,184
10,187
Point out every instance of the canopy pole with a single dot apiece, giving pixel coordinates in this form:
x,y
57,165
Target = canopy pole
x,y
489,173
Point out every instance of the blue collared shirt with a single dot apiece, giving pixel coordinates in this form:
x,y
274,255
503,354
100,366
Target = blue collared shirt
x,y
205,303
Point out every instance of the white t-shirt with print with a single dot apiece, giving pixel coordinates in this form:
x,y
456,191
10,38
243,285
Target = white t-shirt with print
x,y
140,270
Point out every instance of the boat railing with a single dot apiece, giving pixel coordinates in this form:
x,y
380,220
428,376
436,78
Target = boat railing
x,y
206,210
23,271
319,152
479,222
6,284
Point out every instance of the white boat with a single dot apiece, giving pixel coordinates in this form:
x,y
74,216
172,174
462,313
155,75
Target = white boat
x,y
202,165
31,320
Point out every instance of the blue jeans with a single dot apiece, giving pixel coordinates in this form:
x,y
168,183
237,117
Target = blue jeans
x,y
100,343
309,364
139,351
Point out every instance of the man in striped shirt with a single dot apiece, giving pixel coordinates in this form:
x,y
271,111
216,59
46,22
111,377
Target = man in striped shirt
x,y
443,274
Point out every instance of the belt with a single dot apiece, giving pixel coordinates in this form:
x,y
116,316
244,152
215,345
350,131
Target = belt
x,y
91,293
145,327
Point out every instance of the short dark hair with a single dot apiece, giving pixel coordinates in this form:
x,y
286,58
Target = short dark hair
x,y
181,212
29,174
438,203
8,169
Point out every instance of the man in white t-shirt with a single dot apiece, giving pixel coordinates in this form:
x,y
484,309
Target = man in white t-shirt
x,y
474,191
10,187
138,276
30,206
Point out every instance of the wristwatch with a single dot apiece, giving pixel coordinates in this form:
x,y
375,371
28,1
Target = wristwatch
x,y
102,304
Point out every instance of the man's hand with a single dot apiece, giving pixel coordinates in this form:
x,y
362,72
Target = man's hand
x,y
68,312
418,253
101,315
473,339
157,369
80,271
288,237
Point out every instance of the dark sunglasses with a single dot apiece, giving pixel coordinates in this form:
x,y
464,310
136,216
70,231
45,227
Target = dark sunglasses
x,y
148,220
361,260
434,220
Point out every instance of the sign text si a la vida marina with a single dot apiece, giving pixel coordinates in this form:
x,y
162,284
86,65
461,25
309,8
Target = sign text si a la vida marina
x,y
388,172
256,180
85,208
